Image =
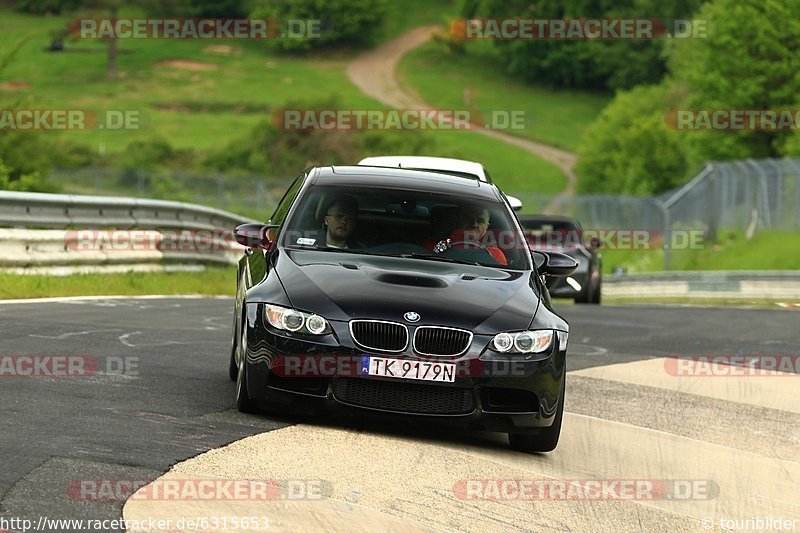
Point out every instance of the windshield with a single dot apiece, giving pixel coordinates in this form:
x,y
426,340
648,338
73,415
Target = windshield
x,y
410,224
549,233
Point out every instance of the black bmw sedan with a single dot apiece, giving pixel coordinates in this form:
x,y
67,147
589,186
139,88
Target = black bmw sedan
x,y
400,293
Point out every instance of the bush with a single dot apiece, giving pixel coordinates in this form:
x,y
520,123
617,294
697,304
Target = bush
x,y
597,65
450,40
25,182
195,8
629,149
270,151
26,153
152,153
344,22
43,7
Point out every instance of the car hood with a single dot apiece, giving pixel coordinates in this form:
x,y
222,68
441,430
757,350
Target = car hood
x,y
345,286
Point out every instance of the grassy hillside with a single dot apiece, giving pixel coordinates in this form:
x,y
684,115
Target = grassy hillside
x,y
203,95
475,80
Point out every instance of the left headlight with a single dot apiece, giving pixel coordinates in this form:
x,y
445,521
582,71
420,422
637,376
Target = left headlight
x,y
532,341
288,319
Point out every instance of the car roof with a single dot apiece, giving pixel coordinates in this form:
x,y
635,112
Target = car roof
x,y
401,178
444,164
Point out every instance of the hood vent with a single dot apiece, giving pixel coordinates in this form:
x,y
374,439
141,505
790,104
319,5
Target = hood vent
x,y
411,281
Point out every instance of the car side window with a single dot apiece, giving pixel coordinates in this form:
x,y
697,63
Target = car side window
x,y
286,202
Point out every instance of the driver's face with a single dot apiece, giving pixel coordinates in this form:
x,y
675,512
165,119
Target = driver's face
x,y
476,220
340,223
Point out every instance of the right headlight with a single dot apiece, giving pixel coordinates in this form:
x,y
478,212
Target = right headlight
x,y
288,319
530,341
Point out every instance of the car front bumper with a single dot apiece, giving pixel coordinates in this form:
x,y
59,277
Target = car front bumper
x,y
490,392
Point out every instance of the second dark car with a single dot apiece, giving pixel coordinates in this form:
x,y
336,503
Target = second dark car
x,y
565,235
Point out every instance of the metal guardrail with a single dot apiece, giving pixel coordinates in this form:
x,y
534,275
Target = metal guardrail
x,y
43,210
26,244
706,276
728,284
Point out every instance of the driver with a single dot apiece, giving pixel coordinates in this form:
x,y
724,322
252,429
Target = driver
x,y
475,221
341,218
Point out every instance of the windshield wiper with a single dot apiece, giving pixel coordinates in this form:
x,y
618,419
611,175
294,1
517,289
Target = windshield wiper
x,y
323,248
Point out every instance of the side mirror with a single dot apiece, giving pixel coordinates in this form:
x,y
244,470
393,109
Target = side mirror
x,y
255,235
594,242
514,202
554,263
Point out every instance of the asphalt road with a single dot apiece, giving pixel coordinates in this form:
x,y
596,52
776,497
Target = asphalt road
x,y
625,414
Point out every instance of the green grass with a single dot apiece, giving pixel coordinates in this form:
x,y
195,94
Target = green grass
x,y
249,77
768,250
513,169
557,117
212,281
249,74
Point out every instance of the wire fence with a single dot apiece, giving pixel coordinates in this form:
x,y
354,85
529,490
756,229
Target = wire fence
x,y
744,195
739,195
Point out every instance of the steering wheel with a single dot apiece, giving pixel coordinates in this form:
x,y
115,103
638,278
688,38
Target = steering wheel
x,y
470,243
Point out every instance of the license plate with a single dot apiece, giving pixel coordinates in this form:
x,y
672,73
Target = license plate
x,y
405,369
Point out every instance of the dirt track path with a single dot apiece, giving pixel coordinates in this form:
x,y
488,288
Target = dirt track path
x,y
375,73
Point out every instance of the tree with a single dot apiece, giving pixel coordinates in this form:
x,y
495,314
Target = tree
x,y
749,61
598,65
629,148
344,22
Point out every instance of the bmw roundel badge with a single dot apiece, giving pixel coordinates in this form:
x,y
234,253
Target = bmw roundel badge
x,y
411,316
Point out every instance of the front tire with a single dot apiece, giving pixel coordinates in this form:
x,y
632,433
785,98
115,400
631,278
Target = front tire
x,y
596,297
244,403
546,439
590,295
233,370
